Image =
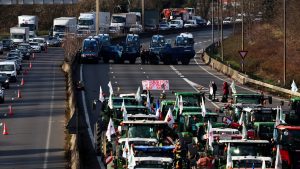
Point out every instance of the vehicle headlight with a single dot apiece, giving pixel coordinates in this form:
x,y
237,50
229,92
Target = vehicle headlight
x,y
1,92
27,53
83,55
6,81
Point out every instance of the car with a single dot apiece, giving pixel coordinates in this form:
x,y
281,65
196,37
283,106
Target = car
x,y
176,24
1,95
1,48
4,81
137,28
31,37
53,41
16,58
150,27
35,47
201,22
25,49
190,24
42,43
10,69
7,44
164,26
114,30
90,50
227,20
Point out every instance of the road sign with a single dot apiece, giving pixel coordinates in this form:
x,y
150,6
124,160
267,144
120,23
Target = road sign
x,y
31,2
243,53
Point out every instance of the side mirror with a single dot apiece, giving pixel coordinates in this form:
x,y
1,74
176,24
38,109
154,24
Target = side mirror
x,y
270,99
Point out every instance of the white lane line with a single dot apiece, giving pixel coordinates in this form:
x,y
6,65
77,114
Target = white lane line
x,y
50,120
87,119
192,84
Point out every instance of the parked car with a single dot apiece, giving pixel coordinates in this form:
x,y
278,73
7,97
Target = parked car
x,y
164,26
53,41
176,24
1,48
42,43
190,24
7,44
4,81
136,28
35,47
227,20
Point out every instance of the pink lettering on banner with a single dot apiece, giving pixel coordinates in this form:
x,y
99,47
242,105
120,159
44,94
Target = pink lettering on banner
x,y
155,85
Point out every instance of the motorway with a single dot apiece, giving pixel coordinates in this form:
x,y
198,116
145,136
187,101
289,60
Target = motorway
x,y
36,129
126,78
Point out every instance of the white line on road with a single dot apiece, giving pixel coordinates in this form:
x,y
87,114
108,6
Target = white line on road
x,y
87,119
50,120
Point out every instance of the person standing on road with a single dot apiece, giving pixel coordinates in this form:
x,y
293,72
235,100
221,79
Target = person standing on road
x,y
225,92
214,87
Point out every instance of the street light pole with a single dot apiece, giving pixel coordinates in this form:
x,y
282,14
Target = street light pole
x,y
284,42
212,23
143,14
97,17
243,27
222,47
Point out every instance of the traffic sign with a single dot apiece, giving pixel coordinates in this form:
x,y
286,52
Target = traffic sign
x,y
243,53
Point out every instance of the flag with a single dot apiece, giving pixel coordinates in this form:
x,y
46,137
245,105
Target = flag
x,y
131,159
110,129
278,161
126,149
244,132
232,86
241,120
229,159
275,134
169,118
263,165
124,111
157,109
180,104
110,102
281,115
101,97
203,109
210,135
277,121
294,87
148,105
111,92
138,95
253,166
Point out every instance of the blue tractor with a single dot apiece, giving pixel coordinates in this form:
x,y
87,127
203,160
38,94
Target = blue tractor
x,y
131,48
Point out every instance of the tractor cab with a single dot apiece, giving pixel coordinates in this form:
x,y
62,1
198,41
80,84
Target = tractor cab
x,y
293,117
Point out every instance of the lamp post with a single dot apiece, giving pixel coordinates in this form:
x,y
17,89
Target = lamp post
x,y
284,42
97,17
212,23
222,45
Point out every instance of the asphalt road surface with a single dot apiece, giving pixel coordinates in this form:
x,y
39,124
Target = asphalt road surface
x,y
126,78
36,129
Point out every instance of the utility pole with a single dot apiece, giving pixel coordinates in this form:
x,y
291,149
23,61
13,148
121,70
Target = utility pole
x,y
222,45
143,13
97,17
212,23
284,42
243,27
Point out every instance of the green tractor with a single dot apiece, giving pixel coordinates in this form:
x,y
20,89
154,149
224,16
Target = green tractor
x,y
293,117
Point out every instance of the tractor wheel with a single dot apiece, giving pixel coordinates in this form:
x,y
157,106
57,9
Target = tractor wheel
x,y
185,61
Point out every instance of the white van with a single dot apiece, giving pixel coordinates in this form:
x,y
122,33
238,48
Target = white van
x,y
10,69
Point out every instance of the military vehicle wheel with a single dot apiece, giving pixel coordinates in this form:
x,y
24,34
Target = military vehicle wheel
x,y
132,61
103,144
105,60
185,61
167,60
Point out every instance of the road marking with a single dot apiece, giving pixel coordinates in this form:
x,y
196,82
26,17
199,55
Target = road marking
x,y
50,120
87,119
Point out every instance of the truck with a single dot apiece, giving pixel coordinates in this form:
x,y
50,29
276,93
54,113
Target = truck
x,y
30,21
64,25
121,22
87,22
151,20
19,34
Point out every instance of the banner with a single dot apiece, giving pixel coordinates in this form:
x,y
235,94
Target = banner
x,y
155,85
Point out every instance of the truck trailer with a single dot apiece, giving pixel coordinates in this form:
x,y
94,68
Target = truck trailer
x,y
87,22
31,22
64,25
19,34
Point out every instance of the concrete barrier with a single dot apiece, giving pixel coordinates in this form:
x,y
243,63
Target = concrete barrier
x,y
240,77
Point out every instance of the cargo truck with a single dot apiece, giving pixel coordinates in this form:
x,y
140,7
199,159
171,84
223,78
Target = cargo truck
x,y
121,22
30,21
87,22
64,25
19,34
151,20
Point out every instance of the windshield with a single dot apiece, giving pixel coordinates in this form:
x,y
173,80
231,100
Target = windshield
x,y
263,117
85,22
22,47
249,164
192,100
249,149
142,131
59,28
291,138
38,40
158,41
7,67
33,44
175,22
89,46
6,42
184,41
118,19
17,36
248,99
32,27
